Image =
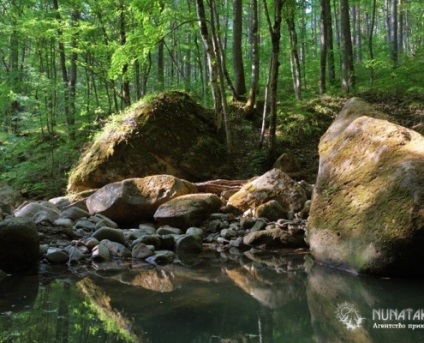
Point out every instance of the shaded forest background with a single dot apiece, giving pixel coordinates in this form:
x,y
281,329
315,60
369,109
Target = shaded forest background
x,y
276,72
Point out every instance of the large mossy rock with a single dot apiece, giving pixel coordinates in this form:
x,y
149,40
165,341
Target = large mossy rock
x,y
133,199
367,212
19,244
170,134
273,185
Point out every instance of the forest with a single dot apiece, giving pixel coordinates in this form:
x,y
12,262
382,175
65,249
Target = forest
x,y
67,66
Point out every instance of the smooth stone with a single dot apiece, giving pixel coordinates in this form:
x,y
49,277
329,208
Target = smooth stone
x,y
57,255
114,235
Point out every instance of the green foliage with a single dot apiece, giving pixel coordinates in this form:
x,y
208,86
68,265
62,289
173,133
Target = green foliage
x,y
303,123
35,164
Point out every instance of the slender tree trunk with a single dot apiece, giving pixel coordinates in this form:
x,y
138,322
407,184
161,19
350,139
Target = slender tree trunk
x,y
323,46
354,34
62,60
303,45
294,56
275,33
125,87
338,29
289,15
401,28
394,33
187,66
254,38
14,73
220,60
73,73
238,65
386,9
329,42
137,79
359,33
211,61
347,52
161,66
370,37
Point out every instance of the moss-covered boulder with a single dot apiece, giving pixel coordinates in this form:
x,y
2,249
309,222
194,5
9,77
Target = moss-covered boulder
x,y
130,200
367,212
273,185
170,134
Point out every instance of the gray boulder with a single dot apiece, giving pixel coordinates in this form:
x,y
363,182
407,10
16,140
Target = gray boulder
x,y
57,255
187,210
273,185
142,251
114,235
161,257
275,238
271,210
74,213
188,243
101,253
135,199
116,249
47,209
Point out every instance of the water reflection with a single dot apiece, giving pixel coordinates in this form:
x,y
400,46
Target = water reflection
x,y
215,297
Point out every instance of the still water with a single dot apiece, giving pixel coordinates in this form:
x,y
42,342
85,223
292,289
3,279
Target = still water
x,y
211,298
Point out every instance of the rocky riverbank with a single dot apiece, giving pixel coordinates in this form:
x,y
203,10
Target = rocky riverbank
x,y
159,219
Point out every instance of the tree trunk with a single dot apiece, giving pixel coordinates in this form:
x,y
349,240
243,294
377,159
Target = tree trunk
x,y
254,38
329,42
394,34
222,72
370,36
238,66
323,46
73,73
401,27
211,61
125,87
294,55
359,33
275,33
161,66
347,52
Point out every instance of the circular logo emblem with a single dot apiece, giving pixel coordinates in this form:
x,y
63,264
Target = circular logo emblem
x,y
348,315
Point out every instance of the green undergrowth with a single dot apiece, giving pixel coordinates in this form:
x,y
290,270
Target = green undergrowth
x,y
39,164
35,164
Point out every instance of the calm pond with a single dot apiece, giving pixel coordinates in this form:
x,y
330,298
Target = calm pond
x,y
215,297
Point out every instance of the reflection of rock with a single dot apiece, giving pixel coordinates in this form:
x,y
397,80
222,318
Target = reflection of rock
x,y
155,280
266,286
337,300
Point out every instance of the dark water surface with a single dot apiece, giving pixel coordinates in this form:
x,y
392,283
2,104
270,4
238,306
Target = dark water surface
x,y
212,298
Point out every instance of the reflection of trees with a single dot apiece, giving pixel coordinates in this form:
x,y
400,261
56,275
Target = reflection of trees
x,y
114,320
51,313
